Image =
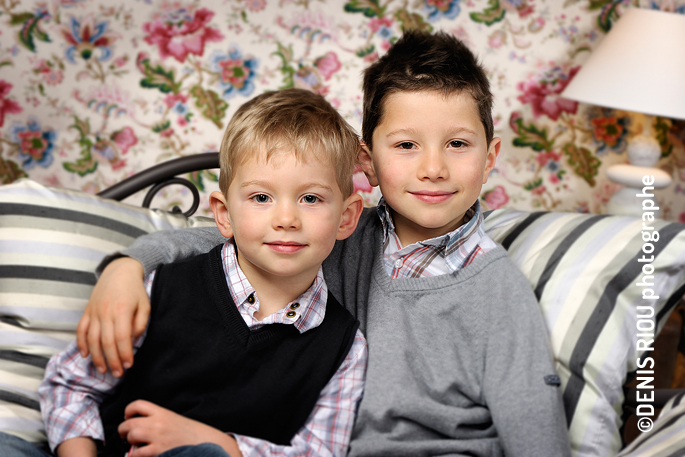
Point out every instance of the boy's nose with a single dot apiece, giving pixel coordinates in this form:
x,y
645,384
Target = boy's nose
x,y
433,166
286,217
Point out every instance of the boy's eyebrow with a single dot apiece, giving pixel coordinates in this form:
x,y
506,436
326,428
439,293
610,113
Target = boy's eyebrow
x,y
304,185
410,131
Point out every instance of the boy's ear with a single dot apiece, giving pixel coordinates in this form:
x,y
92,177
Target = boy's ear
x,y
366,162
217,202
491,158
352,209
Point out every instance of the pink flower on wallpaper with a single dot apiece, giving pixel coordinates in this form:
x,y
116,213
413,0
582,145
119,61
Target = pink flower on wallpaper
x,y
497,39
361,184
255,5
378,23
328,64
538,190
7,106
171,99
51,75
120,61
543,94
124,139
544,157
681,218
496,198
182,34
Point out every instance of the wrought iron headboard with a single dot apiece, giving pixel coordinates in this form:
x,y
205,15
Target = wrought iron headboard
x,y
162,175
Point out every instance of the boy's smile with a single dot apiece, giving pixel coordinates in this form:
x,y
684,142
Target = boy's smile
x,y
430,159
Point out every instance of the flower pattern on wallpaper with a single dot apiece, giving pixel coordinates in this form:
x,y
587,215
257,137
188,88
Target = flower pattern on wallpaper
x,y
92,91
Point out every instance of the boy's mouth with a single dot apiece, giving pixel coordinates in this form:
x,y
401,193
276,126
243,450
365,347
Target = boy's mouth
x,y
429,196
285,247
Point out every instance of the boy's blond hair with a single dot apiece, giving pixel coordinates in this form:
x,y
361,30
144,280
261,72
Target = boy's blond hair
x,y
296,121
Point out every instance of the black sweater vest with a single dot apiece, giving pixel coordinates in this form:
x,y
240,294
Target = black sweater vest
x,y
201,360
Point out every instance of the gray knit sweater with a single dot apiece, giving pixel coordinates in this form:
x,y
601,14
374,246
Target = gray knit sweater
x,y
457,363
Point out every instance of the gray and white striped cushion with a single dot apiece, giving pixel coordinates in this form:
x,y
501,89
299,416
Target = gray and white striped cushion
x,y
584,269
51,240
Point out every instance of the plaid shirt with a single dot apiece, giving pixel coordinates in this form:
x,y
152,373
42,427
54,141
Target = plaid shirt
x,y
72,389
443,254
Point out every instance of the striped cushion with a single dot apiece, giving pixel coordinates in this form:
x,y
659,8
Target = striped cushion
x,y
51,240
585,273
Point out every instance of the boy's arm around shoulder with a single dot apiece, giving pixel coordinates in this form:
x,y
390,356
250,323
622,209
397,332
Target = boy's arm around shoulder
x,y
166,246
118,308
520,384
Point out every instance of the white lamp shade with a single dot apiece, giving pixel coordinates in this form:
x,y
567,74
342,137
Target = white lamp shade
x,y
639,66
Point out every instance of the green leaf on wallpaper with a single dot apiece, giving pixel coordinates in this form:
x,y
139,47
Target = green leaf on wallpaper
x,y
608,14
213,107
585,164
661,129
19,19
83,127
363,52
286,56
30,28
86,164
370,8
530,136
10,171
158,77
530,185
493,13
82,166
412,21
197,178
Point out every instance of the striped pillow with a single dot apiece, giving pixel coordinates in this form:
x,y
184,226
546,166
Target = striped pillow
x,y
51,240
586,275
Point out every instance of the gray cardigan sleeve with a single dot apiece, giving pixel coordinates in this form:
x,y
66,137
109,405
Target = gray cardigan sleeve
x,y
167,246
520,384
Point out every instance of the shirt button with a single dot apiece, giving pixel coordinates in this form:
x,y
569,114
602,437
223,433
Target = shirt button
x,y
291,314
398,263
294,306
250,299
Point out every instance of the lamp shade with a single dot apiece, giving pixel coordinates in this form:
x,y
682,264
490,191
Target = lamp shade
x,y
639,66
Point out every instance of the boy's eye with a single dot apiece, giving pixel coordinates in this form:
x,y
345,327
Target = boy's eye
x,y
406,145
457,144
261,198
310,199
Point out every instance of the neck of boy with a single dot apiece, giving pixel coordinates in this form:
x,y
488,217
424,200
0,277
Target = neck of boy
x,y
410,232
275,292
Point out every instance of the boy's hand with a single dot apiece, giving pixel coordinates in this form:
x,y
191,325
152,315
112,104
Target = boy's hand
x,y
77,447
117,312
158,429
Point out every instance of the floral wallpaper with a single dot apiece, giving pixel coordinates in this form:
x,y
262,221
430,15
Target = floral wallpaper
x,y
93,91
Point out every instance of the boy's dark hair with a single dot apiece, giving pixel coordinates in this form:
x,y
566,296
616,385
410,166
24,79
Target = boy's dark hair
x,y
421,61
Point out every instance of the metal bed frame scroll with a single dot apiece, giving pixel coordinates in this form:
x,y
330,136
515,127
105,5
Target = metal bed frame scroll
x,y
162,175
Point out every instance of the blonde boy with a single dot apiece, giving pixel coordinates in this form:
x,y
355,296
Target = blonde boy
x,y
244,339
459,361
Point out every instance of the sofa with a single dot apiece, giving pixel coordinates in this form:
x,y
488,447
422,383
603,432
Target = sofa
x,y
605,284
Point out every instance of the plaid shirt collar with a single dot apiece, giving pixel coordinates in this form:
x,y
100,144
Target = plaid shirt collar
x,y
456,247
309,308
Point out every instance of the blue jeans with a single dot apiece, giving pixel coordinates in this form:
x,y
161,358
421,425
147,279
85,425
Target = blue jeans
x,y
200,450
12,446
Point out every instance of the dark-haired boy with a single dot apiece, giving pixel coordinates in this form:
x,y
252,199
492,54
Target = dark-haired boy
x,y
459,360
